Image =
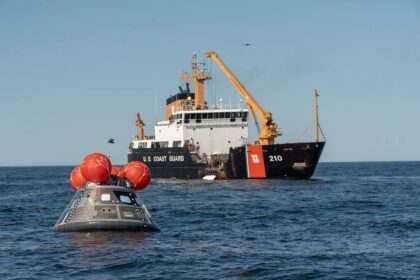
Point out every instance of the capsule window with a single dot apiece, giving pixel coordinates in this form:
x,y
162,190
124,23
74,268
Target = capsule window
x,y
105,197
125,199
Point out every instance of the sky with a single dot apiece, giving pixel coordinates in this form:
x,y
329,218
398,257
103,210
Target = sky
x,y
75,73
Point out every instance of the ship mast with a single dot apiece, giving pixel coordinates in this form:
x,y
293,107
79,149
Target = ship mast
x,y
198,76
140,123
316,117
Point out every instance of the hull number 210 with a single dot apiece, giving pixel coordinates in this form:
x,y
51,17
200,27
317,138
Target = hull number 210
x,y
275,158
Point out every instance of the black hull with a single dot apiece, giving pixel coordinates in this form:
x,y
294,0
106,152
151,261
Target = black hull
x,y
169,162
287,161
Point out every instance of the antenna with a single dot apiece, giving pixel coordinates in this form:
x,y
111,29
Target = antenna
x,y
316,117
155,109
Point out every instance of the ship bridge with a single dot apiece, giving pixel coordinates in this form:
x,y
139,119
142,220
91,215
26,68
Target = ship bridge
x,y
207,131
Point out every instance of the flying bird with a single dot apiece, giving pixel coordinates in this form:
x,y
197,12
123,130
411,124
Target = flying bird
x,y
247,44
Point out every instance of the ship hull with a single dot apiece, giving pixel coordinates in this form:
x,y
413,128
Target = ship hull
x,y
287,161
169,162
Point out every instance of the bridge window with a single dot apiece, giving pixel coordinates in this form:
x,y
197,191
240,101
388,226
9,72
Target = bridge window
x,y
244,116
161,144
142,145
210,115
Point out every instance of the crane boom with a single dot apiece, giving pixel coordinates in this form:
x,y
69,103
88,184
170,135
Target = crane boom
x,y
255,119
268,131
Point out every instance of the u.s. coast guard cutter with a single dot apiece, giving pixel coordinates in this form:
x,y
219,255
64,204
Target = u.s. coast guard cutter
x,y
200,141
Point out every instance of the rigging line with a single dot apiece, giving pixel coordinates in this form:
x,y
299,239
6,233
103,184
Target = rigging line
x,y
214,84
207,90
155,109
323,136
305,130
211,140
213,93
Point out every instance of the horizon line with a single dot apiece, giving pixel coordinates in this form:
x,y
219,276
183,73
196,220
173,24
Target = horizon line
x,y
321,162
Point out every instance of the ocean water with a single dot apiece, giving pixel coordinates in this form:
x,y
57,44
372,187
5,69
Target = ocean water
x,y
351,221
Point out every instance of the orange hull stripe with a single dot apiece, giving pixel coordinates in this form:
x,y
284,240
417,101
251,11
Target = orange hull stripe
x,y
255,162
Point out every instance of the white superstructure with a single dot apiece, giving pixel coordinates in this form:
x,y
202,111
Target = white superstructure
x,y
208,131
190,122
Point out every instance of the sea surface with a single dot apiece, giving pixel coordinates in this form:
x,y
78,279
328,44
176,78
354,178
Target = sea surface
x,y
351,221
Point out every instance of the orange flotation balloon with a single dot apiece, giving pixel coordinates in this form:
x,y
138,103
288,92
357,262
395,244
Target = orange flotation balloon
x,y
76,179
116,171
137,173
96,168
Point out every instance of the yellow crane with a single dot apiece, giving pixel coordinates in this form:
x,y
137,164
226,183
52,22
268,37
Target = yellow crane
x,y
268,132
140,123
